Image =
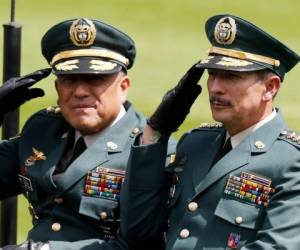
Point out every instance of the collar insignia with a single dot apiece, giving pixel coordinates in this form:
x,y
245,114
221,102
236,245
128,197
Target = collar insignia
x,y
36,156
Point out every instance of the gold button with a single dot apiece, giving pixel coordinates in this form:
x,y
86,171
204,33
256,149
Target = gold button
x,y
184,233
59,200
56,227
103,215
193,206
239,220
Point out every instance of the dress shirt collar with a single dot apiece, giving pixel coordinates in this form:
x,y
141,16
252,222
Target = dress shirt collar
x,y
90,139
239,137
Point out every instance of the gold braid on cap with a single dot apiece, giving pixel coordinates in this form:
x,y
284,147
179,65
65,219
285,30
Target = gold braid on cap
x,y
243,55
90,52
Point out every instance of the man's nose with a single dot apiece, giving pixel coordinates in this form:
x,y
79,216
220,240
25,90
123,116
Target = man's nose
x,y
80,89
214,85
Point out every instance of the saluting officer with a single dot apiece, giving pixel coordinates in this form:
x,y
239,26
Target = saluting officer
x,y
234,184
70,160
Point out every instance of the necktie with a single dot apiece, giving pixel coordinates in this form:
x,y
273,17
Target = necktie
x,y
80,146
223,151
78,149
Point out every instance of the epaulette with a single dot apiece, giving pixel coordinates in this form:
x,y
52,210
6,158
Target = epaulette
x,y
15,137
53,110
206,125
291,137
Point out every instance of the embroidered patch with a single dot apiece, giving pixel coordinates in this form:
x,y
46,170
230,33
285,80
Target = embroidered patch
x,y
25,183
233,62
67,65
104,183
250,188
233,241
102,65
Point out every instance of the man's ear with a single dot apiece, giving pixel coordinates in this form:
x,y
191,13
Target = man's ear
x,y
55,84
272,84
124,86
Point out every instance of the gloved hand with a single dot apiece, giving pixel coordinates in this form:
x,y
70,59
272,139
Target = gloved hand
x,y
28,245
176,103
16,91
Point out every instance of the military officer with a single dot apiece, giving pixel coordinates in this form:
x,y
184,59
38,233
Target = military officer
x,y
234,184
70,160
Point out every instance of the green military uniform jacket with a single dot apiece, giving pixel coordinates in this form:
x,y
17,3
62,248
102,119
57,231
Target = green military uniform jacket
x,y
61,211
201,215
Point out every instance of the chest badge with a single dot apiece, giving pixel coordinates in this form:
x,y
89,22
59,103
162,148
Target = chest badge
x,y
36,156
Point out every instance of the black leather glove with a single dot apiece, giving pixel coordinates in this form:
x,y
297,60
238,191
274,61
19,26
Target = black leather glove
x,y
176,103
16,91
28,245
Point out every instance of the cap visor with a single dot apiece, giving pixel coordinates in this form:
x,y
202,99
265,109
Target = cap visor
x,y
86,65
229,63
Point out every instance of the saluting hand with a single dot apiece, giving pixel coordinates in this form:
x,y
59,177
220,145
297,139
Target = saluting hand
x,y
16,91
176,103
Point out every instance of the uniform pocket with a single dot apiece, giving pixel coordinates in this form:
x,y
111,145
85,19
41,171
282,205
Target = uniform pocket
x,y
239,213
100,209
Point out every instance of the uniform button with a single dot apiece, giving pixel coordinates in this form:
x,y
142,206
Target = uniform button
x,y
184,233
239,220
56,227
103,215
193,206
59,200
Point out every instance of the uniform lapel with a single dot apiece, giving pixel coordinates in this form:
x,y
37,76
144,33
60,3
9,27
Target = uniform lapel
x,y
206,155
113,140
92,157
236,158
241,155
46,168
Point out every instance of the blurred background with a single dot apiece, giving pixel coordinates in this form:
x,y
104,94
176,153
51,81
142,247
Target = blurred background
x,y
169,36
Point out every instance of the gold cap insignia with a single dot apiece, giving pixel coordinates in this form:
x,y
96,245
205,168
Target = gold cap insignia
x,y
67,65
102,65
225,30
233,62
82,32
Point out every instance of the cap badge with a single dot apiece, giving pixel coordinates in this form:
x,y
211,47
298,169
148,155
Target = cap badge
x,y
225,30
83,32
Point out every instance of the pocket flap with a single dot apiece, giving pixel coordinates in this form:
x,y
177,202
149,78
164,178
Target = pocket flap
x,y
239,213
95,207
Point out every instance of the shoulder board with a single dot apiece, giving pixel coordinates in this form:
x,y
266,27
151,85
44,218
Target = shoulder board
x,y
290,137
14,137
53,110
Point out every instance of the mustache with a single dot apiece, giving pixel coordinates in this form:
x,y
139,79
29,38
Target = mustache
x,y
217,100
